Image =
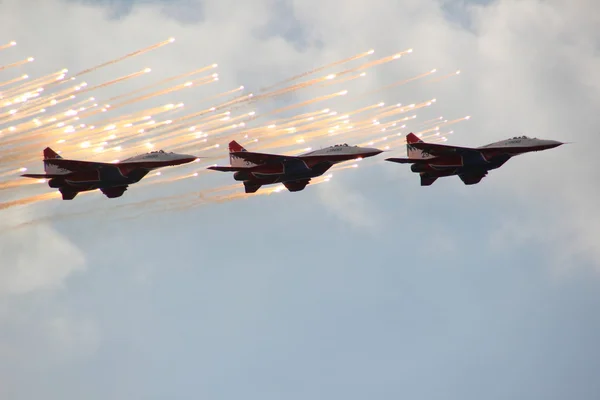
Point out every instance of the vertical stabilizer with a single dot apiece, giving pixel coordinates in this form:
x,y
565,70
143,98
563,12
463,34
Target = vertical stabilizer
x,y
413,152
52,168
235,147
50,154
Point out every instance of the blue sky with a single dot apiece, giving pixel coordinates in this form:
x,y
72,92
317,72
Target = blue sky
x,y
367,286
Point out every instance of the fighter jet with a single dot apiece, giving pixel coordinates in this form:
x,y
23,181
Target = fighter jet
x,y
295,172
433,161
74,176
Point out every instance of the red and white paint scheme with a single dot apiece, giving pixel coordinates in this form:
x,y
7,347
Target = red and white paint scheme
x,y
432,160
294,172
112,179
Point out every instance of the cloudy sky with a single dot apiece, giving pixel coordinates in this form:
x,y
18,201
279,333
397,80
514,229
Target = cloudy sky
x,y
366,286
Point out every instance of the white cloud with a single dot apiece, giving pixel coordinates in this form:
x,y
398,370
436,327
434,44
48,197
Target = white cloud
x,y
35,257
527,67
36,261
349,205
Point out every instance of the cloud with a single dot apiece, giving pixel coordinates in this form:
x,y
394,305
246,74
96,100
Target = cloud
x,y
527,67
35,258
36,262
347,204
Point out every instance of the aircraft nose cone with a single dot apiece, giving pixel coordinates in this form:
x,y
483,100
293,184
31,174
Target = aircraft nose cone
x,y
369,152
186,158
553,143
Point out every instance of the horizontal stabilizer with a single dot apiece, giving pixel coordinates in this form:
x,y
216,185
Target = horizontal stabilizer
x,y
472,177
43,176
409,160
67,194
296,186
226,169
114,192
250,187
427,180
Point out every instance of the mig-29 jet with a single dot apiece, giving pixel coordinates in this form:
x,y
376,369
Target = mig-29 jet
x,y
294,172
74,176
432,160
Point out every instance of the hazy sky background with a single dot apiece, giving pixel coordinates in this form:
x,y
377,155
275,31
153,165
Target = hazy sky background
x,y
369,286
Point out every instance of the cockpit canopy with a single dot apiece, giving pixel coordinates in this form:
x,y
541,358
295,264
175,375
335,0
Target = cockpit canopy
x,y
159,152
342,145
520,137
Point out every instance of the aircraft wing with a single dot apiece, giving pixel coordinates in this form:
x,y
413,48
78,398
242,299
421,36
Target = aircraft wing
x,y
226,169
261,158
42,176
473,177
410,160
435,149
76,165
115,191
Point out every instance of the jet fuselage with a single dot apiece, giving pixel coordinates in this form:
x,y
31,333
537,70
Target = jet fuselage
x,y
489,157
92,180
471,164
73,176
126,172
294,172
305,166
